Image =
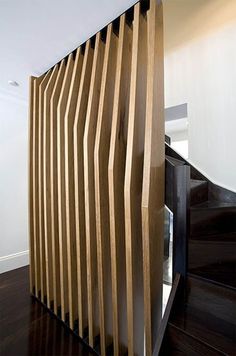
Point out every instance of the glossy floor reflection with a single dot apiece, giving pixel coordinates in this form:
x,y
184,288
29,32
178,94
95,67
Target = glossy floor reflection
x,y
26,328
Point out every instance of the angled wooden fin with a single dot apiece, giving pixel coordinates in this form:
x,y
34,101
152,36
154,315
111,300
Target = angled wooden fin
x,y
90,214
41,123
54,187
133,184
153,178
47,187
116,174
69,187
31,194
79,126
35,185
101,156
61,109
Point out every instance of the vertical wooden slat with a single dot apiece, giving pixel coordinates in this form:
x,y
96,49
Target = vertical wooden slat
x,y
153,178
133,186
69,188
35,179
96,173
61,109
46,187
90,215
42,88
31,197
101,154
54,186
79,126
116,173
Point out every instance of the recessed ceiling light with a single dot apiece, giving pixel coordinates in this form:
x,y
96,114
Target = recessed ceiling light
x,y
13,83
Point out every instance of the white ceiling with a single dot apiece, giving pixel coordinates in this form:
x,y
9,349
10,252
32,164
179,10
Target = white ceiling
x,y
35,34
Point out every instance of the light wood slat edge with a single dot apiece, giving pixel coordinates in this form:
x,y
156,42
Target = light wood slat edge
x,y
30,193
42,87
153,179
35,148
69,188
78,133
88,146
46,187
133,186
116,173
61,109
54,188
101,155
128,180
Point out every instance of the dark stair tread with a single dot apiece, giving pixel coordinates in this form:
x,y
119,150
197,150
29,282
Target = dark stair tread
x,y
219,237
197,182
223,274
198,191
211,204
208,314
179,342
174,161
212,217
213,256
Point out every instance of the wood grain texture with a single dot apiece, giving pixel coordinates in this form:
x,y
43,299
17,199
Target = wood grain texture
x,y
69,187
41,122
133,184
96,184
153,178
90,214
61,109
101,155
116,173
47,187
54,187
30,178
35,180
79,126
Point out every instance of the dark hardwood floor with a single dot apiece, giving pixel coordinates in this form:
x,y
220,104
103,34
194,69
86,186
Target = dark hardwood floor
x,y
26,327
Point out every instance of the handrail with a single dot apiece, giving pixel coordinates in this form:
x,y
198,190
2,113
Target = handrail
x,y
169,169
181,218
177,199
166,316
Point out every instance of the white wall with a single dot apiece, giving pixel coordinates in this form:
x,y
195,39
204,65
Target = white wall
x,y
13,183
200,69
33,37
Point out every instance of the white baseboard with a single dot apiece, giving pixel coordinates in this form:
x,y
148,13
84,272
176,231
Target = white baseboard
x,y
16,260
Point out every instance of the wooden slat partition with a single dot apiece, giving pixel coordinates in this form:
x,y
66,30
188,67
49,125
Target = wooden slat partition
x,y
133,184
96,191
35,180
69,187
79,126
89,190
116,173
61,110
41,183
153,178
47,186
31,194
54,188
101,155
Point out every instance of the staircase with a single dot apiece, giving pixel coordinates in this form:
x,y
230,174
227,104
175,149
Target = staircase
x,y
202,317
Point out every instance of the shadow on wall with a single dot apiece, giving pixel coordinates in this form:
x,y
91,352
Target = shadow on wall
x,y
211,14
